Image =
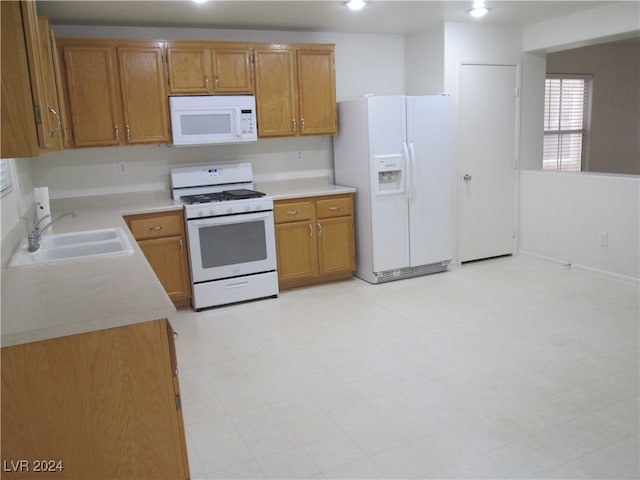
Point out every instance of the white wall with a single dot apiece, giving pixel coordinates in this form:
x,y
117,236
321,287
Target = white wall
x,y
90,171
562,215
613,140
424,62
599,25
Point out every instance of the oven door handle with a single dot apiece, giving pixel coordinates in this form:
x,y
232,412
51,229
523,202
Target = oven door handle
x,y
229,219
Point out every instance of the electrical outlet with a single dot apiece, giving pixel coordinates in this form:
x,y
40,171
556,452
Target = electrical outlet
x,y
122,168
604,239
299,154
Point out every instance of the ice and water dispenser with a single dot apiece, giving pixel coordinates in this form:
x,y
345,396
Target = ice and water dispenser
x,y
390,171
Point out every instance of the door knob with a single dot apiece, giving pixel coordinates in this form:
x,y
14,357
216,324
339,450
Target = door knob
x,y
467,177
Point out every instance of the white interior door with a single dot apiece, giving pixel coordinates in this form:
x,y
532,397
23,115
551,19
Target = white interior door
x,y
487,158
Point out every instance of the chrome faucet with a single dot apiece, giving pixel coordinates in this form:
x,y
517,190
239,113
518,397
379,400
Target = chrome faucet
x,y
36,233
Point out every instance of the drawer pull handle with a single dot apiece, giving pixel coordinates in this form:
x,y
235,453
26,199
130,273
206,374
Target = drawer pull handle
x,y
292,212
156,229
334,209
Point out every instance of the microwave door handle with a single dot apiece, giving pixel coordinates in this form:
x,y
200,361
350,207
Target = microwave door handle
x,y
238,123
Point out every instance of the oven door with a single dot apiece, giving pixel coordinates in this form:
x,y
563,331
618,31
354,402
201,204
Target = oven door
x,y
231,246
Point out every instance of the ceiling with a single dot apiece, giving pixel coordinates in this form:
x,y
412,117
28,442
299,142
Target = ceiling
x,y
384,17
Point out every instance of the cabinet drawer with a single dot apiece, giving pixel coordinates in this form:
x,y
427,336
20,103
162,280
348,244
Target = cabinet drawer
x,y
334,207
155,226
292,212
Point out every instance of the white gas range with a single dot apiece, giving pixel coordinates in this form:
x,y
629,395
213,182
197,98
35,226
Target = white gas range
x,y
230,232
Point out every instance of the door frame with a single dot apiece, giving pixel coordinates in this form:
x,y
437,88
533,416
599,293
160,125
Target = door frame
x,y
517,63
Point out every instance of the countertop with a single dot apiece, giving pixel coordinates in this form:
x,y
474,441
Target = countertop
x,y
299,188
47,301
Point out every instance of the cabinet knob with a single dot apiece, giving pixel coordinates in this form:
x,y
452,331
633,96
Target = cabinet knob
x,y
293,125
334,208
117,132
302,125
292,212
311,229
157,228
206,81
319,229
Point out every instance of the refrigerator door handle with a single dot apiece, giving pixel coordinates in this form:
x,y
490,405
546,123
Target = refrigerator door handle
x,y
407,170
412,156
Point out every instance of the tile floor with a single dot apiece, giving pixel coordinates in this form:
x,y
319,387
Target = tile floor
x,y
508,368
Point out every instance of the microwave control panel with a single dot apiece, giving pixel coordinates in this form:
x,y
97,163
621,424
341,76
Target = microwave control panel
x,y
247,121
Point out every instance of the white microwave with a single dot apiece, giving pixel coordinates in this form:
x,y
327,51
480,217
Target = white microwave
x,y
213,119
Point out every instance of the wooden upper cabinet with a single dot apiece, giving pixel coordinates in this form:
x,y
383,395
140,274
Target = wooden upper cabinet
x,y
144,98
209,67
189,68
116,92
276,103
317,91
34,57
54,136
18,137
93,94
295,90
232,69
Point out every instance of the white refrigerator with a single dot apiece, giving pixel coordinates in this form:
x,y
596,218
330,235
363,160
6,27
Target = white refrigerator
x,y
397,152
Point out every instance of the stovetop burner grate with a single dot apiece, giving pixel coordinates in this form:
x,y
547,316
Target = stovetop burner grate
x,y
227,195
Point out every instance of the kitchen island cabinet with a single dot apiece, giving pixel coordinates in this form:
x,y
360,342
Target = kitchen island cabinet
x,y
116,91
295,90
314,240
161,238
102,404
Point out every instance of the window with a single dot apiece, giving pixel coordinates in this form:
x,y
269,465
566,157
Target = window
x,y
566,120
5,177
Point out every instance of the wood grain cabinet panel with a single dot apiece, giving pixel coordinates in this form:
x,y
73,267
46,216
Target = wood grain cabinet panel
x,y
318,249
161,238
295,90
103,404
116,91
52,90
209,67
18,136
144,99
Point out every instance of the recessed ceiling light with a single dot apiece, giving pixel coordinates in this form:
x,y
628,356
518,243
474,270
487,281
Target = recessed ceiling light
x,y
479,9
356,4
200,1
478,12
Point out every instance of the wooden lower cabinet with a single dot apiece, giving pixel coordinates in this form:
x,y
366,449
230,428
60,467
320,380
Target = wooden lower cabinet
x,y
161,238
314,240
102,404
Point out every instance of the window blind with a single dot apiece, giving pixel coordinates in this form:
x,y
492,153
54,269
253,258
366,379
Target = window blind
x,y
5,177
566,114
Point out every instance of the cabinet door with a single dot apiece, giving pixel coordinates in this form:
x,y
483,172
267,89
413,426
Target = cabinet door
x,y
232,70
144,98
189,69
94,97
103,404
34,57
336,245
275,92
18,125
167,257
296,251
316,91
51,105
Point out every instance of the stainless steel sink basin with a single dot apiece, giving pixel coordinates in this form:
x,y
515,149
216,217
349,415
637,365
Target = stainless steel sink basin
x,y
67,246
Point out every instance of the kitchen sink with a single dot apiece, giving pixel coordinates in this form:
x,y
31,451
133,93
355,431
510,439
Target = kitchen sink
x,y
73,245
